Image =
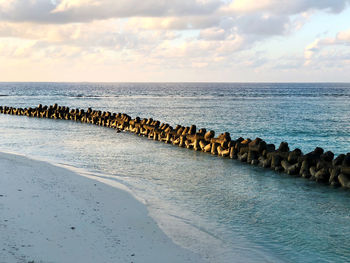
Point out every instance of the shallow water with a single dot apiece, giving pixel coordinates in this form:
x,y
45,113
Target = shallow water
x,y
218,207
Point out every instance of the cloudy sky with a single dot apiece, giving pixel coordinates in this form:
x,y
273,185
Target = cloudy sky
x,y
175,40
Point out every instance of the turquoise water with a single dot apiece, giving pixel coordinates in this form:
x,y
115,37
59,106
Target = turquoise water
x,y
225,210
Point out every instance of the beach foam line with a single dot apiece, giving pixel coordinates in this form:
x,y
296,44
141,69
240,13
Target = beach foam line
x,y
51,214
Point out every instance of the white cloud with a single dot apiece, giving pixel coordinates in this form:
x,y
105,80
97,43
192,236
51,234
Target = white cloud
x,y
16,49
213,33
247,6
284,6
27,10
6,5
263,24
343,37
66,11
174,23
323,49
178,34
129,8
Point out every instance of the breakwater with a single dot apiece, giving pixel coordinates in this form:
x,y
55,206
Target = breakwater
x,y
317,165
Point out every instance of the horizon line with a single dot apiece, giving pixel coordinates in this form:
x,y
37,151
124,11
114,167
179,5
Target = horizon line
x,y
173,82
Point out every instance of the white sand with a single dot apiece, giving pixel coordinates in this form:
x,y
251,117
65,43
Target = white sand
x,y
51,214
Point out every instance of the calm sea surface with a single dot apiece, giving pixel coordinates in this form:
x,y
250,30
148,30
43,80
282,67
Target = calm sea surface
x,y
220,208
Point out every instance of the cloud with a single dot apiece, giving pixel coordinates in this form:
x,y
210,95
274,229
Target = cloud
x,y
67,11
174,23
16,49
215,19
343,37
284,6
263,24
319,49
27,10
129,8
213,33
161,34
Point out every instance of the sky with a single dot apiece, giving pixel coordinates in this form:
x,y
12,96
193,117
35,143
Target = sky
x,y
175,40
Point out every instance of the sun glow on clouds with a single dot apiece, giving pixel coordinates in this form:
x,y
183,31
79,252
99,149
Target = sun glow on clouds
x,y
320,48
6,4
159,40
244,6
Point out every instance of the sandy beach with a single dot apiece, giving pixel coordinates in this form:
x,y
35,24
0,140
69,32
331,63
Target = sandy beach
x,y
51,214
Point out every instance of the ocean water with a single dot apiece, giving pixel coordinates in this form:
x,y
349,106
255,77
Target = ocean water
x,y
225,210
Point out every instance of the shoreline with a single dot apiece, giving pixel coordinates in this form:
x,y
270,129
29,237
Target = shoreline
x,y
52,214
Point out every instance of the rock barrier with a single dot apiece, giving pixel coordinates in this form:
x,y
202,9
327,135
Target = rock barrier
x,y
318,165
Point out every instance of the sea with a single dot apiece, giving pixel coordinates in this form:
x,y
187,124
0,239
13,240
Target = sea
x,y
222,209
